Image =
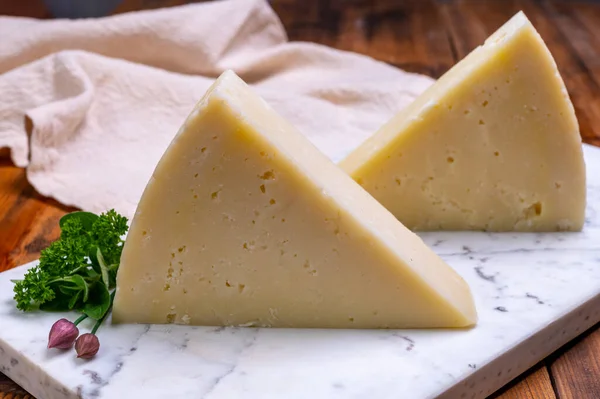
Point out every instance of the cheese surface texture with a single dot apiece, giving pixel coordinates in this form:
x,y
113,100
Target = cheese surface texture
x,y
493,145
244,222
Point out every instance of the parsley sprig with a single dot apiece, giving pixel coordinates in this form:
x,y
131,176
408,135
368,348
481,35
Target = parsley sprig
x,y
78,271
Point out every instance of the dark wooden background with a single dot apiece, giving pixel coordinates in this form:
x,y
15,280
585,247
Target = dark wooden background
x,y
425,36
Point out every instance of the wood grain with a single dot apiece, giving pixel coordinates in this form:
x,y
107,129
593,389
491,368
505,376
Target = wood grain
x,y
576,371
535,384
10,390
425,36
29,221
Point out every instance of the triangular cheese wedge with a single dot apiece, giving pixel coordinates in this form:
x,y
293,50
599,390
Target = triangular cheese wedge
x,y
244,222
492,145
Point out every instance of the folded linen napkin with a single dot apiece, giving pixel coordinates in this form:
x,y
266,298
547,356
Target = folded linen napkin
x,y
103,98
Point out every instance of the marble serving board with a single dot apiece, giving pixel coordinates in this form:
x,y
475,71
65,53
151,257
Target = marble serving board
x,y
534,293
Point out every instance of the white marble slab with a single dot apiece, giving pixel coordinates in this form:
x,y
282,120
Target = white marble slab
x,y
534,292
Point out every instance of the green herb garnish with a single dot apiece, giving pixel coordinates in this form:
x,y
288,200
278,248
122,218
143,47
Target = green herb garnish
x,y
78,271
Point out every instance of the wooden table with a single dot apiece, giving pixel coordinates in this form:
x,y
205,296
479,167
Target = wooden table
x,y
419,36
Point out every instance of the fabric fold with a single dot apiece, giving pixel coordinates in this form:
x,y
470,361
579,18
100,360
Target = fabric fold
x,y
105,96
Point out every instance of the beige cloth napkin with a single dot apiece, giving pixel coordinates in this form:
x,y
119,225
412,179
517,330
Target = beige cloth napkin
x,y
106,96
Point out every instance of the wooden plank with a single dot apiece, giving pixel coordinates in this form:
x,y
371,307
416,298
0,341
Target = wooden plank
x,y
576,372
466,31
313,21
10,390
27,8
29,221
408,34
588,16
134,5
534,384
575,22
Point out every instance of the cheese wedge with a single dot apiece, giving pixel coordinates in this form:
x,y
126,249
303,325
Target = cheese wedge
x,y
244,222
492,145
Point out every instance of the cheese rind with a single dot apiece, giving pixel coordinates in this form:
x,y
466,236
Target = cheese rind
x,y
244,222
493,145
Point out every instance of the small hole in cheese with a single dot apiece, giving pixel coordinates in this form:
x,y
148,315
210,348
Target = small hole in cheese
x,y
268,175
272,201
450,160
227,283
351,319
241,288
496,153
398,182
533,210
485,103
262,188
481,122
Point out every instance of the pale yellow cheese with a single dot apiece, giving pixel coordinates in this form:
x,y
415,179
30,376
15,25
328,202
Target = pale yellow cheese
x,y
493,145
244,222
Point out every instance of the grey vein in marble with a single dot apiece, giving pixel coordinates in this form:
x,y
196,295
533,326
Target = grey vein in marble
x,y
533,292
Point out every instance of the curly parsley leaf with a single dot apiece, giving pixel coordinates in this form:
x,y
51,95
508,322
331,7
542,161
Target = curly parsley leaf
x,y
77,271
86,219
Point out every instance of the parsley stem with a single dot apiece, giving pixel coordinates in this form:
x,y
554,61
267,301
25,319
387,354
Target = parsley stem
x,y
80,319
99,322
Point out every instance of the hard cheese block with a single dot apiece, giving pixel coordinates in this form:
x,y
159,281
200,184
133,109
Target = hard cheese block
x,y
493,145
244,222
